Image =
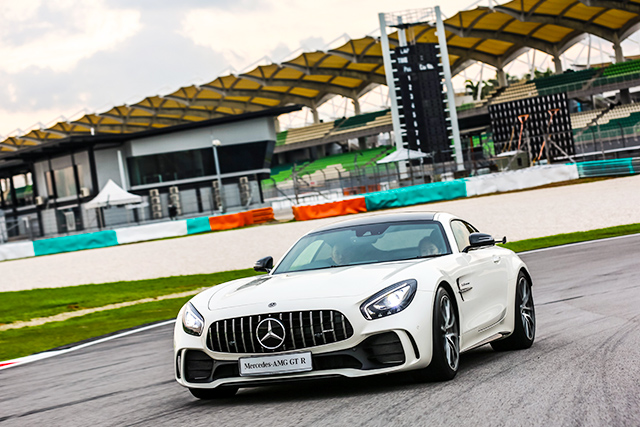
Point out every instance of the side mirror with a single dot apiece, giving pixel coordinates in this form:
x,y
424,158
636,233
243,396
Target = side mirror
x,y
264,264
477,240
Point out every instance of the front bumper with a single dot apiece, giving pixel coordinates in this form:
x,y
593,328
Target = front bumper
x,y
395,343
379,353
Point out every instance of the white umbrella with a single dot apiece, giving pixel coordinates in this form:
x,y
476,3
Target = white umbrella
x,y
112,195
401,155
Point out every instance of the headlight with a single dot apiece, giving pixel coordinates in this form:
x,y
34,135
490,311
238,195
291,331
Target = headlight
x,y
390,300
192,321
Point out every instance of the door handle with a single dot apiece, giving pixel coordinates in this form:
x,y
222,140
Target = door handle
x,y
496,259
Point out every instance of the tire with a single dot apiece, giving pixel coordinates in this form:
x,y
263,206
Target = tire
x,y
214,393
445,358
524,332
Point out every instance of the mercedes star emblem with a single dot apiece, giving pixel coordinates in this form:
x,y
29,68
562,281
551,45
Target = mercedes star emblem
x,y
270,333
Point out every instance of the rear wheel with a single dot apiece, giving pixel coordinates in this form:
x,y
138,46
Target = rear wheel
x,y
213,393
524,331
445,356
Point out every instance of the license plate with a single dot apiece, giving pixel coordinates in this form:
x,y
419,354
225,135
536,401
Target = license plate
x,y
275,364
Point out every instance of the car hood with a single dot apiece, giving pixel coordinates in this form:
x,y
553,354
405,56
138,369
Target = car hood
x,y
360,280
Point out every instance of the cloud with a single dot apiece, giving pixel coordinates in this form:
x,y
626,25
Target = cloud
x,y
62,56
155,60
291,23
59,34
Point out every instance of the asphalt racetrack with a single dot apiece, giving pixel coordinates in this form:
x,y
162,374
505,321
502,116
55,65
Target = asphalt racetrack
x,y
584,369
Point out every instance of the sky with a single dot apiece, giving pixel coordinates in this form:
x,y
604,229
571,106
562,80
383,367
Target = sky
x,y
60,58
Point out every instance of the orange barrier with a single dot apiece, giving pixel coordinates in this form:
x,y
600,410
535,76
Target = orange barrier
x,y
241,219
343,207
227,222
262,215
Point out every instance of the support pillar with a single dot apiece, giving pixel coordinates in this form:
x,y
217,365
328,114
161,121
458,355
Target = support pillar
x,y
356,106
316,116
451,104
557,63
625,95
502,77
386,57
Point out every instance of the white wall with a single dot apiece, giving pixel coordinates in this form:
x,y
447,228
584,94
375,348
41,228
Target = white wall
x,y
107,166
259,129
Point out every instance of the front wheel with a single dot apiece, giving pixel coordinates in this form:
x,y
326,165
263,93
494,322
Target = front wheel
x,y
213,393
524,331
445,356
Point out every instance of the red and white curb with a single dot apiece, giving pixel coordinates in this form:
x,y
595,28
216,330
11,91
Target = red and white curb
x,y
47,354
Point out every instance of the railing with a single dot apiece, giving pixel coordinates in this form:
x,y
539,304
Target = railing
x,y
600,81
591,134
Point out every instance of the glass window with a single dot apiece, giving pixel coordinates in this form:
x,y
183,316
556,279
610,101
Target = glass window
x,y
365,244
171,166
65,182
461,234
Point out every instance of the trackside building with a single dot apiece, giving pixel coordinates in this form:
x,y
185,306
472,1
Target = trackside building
x,y
45,187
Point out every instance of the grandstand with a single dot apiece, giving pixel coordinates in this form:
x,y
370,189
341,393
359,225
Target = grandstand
x,y
330,167
338,131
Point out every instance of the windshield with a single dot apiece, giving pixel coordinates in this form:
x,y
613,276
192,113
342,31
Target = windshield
x,y
366,244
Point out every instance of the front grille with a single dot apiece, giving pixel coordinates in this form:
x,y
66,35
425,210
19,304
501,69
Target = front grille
x,y
303,329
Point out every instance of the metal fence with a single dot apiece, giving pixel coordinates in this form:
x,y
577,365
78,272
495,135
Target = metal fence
x,y
56,219
335,183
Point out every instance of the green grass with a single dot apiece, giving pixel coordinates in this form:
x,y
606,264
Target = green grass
x,y
563,239
25,305
22,342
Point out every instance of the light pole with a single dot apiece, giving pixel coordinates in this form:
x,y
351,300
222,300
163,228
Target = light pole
x,y
216,143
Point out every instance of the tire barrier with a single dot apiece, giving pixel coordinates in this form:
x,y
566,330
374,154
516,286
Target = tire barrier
x,y
326,210
121,236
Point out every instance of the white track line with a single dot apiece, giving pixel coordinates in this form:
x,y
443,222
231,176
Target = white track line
x,y
588,242
48,354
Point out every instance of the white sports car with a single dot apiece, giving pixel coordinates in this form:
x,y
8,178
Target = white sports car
x,y
370,295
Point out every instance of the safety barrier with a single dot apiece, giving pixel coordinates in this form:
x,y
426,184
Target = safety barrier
x,y
77,242
520,179
614,167
326,210
141,233
417,194
441,191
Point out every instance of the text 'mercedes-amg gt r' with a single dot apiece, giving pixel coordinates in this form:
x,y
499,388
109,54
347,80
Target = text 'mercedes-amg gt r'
x,y
371,295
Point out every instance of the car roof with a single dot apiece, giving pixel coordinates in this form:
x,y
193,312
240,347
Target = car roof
x,y
375,219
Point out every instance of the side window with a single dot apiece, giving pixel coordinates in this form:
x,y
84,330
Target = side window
x,y
461,233
471,228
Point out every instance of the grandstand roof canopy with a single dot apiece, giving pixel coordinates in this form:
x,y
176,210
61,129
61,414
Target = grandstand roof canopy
x,y
494,36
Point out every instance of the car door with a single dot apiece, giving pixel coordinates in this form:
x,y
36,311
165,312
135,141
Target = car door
x,y
481,282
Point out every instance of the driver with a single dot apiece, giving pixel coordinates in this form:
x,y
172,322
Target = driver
x,y
340,254
426,247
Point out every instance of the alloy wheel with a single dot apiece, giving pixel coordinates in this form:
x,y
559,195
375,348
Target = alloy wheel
x,y
526,308
450,330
